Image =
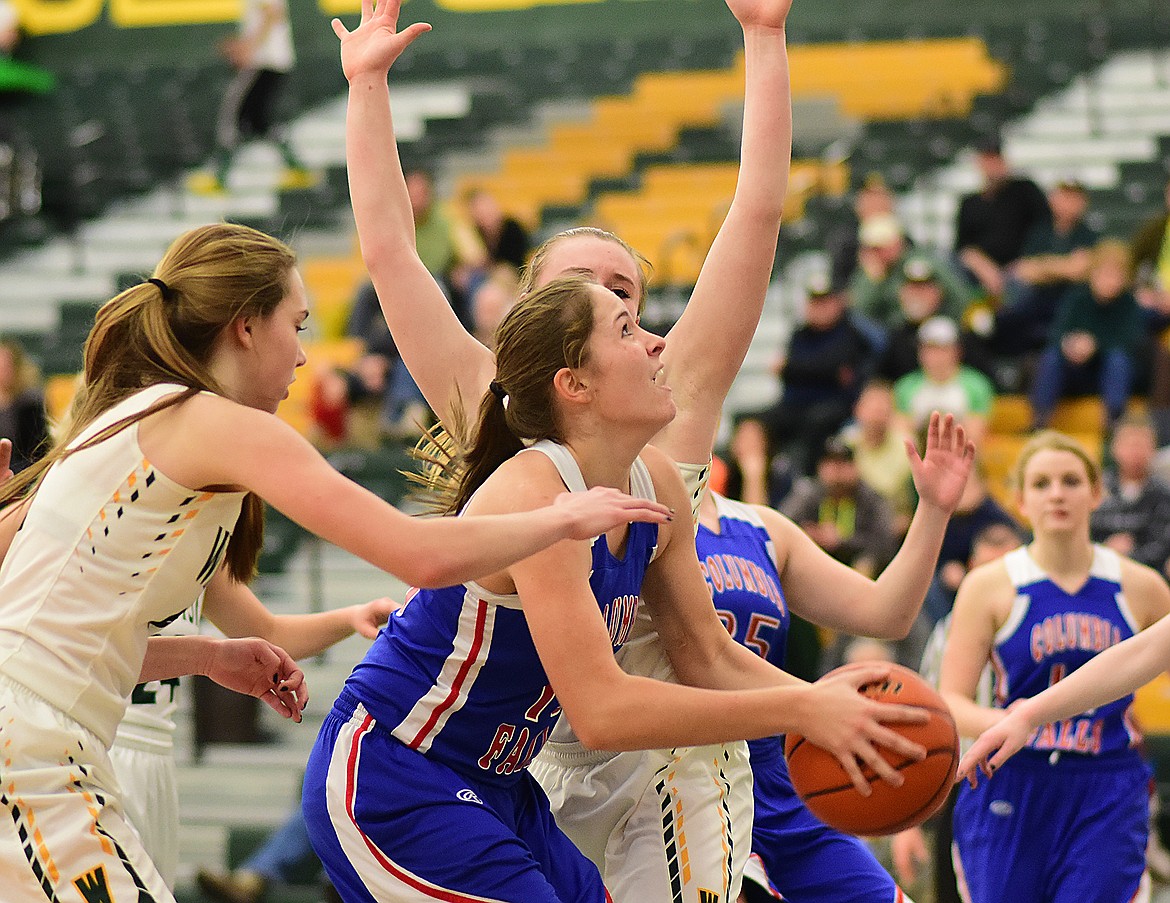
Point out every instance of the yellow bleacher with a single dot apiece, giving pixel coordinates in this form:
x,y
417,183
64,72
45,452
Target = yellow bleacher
x,y
878,80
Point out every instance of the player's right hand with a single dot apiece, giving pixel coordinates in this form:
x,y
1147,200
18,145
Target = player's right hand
x,y
376,43
856,726
589,514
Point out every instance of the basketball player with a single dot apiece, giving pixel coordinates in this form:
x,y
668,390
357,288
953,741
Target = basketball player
x,y
143,750
1067,817
705,348
417,787
154,488
760,567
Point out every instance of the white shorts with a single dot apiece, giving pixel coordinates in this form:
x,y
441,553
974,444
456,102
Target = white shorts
x,y
150,796
662,826
64,834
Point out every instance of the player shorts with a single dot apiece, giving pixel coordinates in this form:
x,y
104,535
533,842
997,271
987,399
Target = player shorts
x,y
390,824
150,796
1044,831
663,826
804,858
64,835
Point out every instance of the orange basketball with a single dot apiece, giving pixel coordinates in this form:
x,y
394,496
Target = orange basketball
x,y
826,789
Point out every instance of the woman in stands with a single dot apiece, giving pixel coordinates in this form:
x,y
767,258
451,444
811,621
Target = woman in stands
x,y
417,787
153,495
1067,818
704,352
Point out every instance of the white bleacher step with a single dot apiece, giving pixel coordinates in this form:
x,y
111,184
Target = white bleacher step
x,y
1026,152
30,289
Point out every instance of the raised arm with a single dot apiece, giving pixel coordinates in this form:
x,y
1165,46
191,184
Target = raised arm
x,y
707,345
441,355
266,456
1119,670
235,609
826,592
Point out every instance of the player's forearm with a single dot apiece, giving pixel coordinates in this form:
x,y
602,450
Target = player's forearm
x,y
311,634
176,656
902,586
381,204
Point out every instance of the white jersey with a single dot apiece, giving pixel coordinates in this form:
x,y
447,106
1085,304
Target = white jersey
x,y
110,548
149,722
275,52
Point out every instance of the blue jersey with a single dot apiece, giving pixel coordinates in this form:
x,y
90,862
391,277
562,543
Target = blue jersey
x,y
455,674
1049,634
739,565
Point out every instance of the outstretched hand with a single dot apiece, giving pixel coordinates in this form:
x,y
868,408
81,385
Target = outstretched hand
x,y
941,474
995,746
600,509
857,726
368,618
256,667
761,13
376,43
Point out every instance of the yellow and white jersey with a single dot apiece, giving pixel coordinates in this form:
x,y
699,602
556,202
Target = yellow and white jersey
x,y
111,549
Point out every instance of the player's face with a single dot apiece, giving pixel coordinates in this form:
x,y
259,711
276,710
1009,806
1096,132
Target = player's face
x,y
1057,494
605,262
276,350
625,371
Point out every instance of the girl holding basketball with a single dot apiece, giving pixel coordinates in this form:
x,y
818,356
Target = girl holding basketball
x,y
794,852
1076,796
151,496
432,732
704,352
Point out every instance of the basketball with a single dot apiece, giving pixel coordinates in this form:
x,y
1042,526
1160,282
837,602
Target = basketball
x,y
826,789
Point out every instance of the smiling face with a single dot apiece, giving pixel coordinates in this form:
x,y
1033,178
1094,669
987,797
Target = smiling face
x,y
1057,492
623,370
276,352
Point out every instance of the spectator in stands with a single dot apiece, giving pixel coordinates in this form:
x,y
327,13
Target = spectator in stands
x,y
822,371
872,199
755,475
1135,510
978,514
492,299
845,517
922,294
504,238
22,406
262,54
879,449
1151,258
994,222
1096,338
885,263
942,382
1055,255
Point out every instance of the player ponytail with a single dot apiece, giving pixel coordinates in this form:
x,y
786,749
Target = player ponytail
x,y
543,333
163,330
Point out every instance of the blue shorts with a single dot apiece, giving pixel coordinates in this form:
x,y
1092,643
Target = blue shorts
x,y
805,859
391,824
1073,830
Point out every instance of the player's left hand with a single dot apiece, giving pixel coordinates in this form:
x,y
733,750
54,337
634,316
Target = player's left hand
x,y
258,668
368,618
762,13
941,474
